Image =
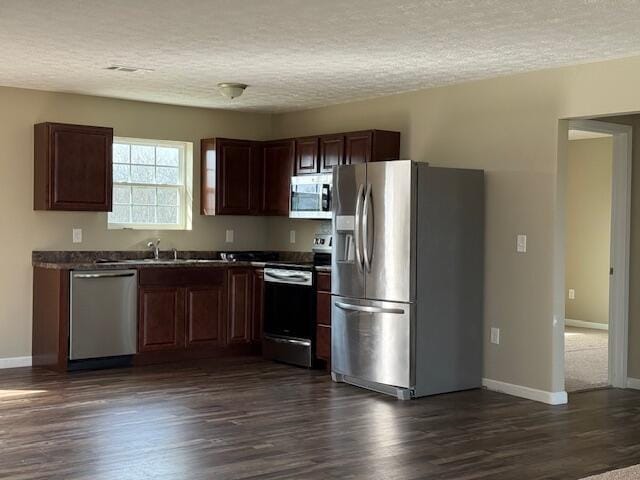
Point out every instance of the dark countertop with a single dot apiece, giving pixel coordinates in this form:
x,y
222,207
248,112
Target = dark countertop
x,y
110,260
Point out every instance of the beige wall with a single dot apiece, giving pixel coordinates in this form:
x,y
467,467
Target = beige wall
x,y
24,230
588,228
510,127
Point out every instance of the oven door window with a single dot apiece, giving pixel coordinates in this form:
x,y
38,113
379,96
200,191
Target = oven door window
x,y
288,310
306,198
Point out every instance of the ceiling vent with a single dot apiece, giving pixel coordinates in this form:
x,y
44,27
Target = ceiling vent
x,y
123,68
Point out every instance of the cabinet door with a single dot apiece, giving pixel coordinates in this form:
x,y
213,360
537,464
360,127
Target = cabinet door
x,y
239,305
323,342
358,147
278,160
331,152
257,306
73,167
233,158
205,316
306,155
161,318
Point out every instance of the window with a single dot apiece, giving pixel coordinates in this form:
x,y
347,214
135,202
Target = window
x,y
150,184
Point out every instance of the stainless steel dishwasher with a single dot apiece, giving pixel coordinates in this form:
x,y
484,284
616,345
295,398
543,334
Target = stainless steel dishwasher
x,y
103,320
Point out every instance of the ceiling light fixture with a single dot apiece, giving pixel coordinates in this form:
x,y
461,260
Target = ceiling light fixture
x,y
232,90
123,68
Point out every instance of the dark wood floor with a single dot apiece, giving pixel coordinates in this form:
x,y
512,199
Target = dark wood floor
x,y
252,419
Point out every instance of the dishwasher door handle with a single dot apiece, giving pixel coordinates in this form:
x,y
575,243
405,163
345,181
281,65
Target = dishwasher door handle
x,y
103,275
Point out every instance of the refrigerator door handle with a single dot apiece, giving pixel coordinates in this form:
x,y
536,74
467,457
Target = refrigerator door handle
x,y
367,309
358,228
365,228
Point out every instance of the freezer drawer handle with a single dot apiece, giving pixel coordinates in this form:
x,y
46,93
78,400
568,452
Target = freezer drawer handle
x,y
103,275
364,308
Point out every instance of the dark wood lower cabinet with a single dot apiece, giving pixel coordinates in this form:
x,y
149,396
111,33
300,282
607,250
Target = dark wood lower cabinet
x,y
257,306
205,316
183,313
323,317
161,318
240,312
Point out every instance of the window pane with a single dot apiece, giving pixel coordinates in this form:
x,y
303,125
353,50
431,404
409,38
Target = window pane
x,y
168,156
121,195
121,173
168,196
168,175
143,214
143,154
141,174
121,153
167,215
120,214
144,196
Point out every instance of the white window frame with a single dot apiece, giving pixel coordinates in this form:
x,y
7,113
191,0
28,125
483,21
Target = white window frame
x,y
185,197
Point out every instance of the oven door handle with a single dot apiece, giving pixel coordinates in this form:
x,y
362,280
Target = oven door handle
x,y
367,309
286,278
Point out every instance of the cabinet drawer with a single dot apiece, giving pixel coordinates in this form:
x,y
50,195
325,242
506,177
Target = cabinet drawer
x,y
174,276
324,282
323,308
323,342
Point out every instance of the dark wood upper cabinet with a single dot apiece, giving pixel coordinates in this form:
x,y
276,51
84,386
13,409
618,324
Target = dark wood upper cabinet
x,y
239,305
161,318
72,167
371,146
205,316
231,177
331,152
278,159
244,177
307,152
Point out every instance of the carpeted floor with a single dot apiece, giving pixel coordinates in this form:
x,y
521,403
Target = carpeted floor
x,y
631,473
585,358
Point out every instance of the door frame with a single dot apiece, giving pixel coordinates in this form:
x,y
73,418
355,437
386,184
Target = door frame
x,y
622,136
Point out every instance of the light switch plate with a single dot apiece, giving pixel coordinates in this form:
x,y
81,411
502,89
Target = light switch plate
x,y
292,236
572,294
495,335
521,244
77,235
229,236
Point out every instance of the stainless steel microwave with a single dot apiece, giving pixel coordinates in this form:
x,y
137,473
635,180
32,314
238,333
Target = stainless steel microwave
x,y
311,196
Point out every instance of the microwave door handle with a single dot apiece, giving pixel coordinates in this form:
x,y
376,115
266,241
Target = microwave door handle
x,y
365,228
358,227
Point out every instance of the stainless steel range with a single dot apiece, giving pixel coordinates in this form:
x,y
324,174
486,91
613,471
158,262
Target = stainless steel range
x,y
290,307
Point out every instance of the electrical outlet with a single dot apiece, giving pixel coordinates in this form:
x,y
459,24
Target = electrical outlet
x,y
77,235
495,335
292,236
229,236
521,244
572,294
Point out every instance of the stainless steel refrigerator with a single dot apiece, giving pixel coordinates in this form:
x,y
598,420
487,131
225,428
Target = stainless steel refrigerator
x,y
407,277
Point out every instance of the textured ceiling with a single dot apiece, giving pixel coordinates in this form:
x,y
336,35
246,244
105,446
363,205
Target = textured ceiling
x,y
298,53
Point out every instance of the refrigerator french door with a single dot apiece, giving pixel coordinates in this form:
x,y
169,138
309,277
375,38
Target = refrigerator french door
x,y
373,283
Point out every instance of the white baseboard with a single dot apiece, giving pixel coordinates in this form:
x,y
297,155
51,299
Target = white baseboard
x,y
15,362
633,383
551,398
570,322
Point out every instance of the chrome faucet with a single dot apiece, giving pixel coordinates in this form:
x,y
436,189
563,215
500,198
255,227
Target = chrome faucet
x,y
155,248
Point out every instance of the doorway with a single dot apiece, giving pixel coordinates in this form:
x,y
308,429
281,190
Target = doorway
x,y
596,254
